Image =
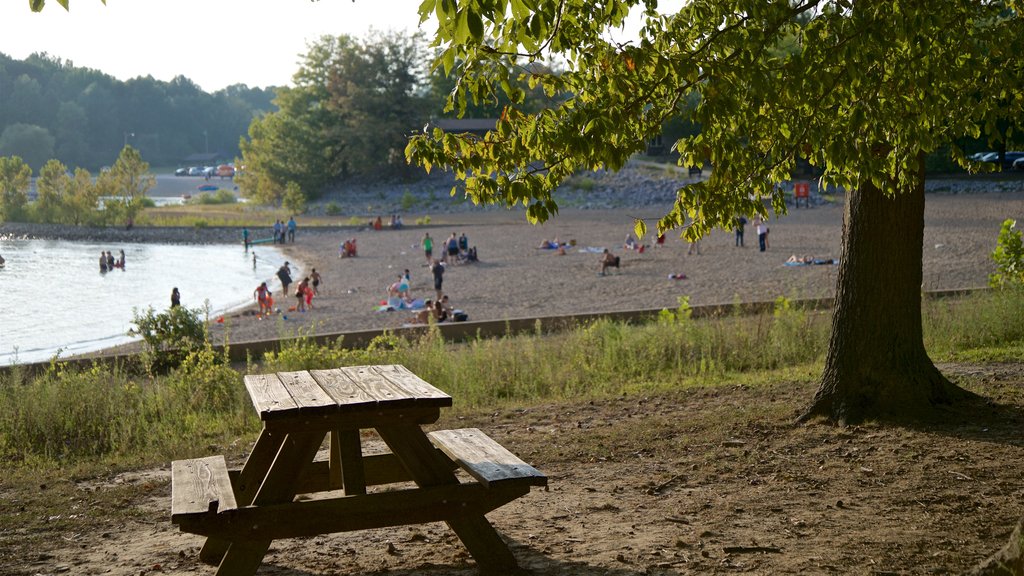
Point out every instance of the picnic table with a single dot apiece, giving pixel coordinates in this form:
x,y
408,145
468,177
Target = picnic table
x,y
242,511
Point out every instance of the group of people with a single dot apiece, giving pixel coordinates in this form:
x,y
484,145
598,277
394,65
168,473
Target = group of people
x,y
439,310
305,290
284,232
347,249
454,250
760,226
108,262
395,223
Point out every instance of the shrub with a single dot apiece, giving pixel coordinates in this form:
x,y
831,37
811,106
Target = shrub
x,y
408,201
169,336
1008,256
423,221
332,209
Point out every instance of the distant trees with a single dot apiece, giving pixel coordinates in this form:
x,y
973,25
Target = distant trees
x,y
350,112
65,198
83,117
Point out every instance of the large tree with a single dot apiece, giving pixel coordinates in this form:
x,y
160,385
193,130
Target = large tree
x,y
863,90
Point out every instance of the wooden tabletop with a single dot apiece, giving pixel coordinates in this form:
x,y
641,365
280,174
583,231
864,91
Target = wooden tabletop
x,y
349,391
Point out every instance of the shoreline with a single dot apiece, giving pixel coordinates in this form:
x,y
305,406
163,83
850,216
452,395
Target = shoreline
x,y
514,279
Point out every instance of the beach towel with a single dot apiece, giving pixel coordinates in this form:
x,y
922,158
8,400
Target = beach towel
x,y
592,250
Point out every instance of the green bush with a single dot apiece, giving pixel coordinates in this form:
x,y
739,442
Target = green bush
x,y
408,201
219,197
1008,256
332,209
169,336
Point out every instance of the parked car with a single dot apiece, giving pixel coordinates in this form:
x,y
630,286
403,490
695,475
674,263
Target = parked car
x,y
1010,159
980,156
181,172
1018,164
195,171
226,171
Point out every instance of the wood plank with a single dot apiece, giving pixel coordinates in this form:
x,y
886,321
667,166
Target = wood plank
x,y
268,395
486,460
346,392
246,485
307,393
200,486
418,388
379,387
348,513
362,420
350,452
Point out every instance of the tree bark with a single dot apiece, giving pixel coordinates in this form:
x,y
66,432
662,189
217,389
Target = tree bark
x,y
1007,562
876,366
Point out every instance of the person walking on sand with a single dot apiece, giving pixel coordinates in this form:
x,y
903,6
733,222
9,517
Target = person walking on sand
x,y
428,248
437,269
175,298
315,276
285,275
300,294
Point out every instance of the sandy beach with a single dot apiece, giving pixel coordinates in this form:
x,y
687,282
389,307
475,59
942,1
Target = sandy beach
x,y
515,279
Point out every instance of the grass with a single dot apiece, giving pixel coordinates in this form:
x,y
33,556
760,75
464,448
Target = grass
x,y
122,417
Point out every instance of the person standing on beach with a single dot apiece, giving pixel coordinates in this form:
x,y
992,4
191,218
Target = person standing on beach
x,y
245,238
451,253
291,229
263,297
175,298
277,231
428,248
285,275
762,233
103,262
437,269
740,223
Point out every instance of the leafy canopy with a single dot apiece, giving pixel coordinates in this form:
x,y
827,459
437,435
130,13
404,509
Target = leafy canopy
x,y
859,89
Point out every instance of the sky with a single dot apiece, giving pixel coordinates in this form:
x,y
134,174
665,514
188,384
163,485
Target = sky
x,y
215,43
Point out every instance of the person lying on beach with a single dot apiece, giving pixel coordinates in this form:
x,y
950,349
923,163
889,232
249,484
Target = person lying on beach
x,y
549,245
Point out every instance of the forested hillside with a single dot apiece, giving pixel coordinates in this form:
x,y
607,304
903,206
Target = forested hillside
x,y
50,108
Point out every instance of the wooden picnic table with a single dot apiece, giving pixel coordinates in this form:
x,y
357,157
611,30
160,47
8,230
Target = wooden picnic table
x,y
242,511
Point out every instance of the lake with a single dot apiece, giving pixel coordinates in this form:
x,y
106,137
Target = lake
x,y
53,298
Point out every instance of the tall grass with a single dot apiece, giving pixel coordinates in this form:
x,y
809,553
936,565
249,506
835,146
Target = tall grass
x,y
120,415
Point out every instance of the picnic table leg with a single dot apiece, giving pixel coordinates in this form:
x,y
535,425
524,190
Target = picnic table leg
x,y
297,450
346,464
249,480
420,457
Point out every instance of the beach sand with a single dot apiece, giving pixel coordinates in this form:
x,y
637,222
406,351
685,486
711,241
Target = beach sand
x,y
514,279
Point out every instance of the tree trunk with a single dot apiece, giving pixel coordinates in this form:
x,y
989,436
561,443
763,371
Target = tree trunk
x,y
1007,562
876,365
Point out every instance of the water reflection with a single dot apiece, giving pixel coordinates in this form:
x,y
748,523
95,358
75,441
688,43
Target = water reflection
x,y
54,299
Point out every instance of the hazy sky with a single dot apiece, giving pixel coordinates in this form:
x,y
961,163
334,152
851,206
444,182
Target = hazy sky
x,y
214,42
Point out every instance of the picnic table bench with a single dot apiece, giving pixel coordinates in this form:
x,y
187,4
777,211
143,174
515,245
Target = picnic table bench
x,y
242,511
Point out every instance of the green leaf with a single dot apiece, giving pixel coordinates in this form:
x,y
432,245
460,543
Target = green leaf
x,y
476,27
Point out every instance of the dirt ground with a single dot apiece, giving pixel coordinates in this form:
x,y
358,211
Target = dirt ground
x,y
705,480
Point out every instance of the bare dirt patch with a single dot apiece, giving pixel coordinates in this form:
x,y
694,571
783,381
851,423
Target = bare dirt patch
x,y
690,482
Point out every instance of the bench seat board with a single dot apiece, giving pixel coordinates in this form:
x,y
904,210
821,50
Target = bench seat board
x,y
484,459
200,486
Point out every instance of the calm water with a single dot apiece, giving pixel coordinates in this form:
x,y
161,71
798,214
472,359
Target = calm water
x,y
54,299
